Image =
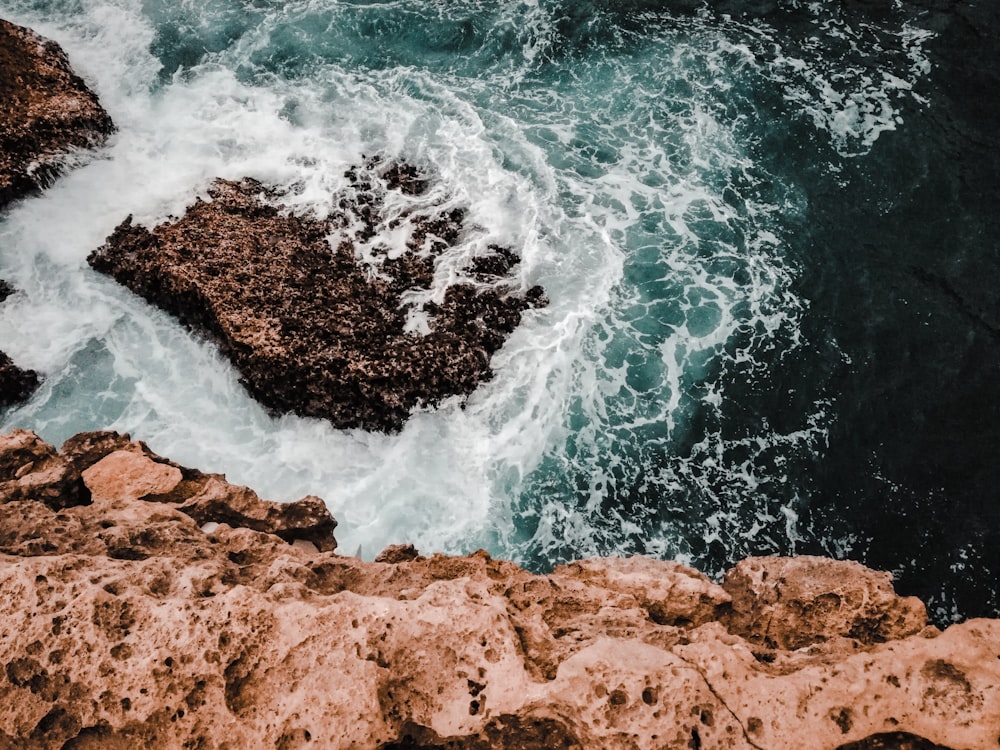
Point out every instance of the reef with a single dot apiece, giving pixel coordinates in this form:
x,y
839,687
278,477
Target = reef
x,y
353,317
47,113
146,604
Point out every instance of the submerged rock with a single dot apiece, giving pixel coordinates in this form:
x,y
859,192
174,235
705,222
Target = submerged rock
x,y
128,622
46,111
16,384
324,317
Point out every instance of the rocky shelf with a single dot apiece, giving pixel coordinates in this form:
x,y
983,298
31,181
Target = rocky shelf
x,y
313,327
146,604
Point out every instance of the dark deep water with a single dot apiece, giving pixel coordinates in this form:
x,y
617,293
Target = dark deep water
x,y
770,232
901,259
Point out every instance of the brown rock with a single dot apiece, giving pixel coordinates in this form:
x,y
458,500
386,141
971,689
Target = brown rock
x,y
397,553
123,624
307,519
793,602
115,471
893,741
124,476
46,111
311,328
30,469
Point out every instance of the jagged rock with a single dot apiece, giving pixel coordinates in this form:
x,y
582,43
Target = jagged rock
x,y
789,603
31,469
16,385
110,469
313,328
893,741
46,111
123,623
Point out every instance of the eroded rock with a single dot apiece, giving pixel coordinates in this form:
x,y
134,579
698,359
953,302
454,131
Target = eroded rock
x,y
31,469
327,318
789,603
46,112
123,623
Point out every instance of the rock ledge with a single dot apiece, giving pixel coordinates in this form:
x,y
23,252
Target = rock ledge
x,y
146,604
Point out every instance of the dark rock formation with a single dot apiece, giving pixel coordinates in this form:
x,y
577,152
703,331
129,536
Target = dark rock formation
x,y
311,327
45,112
126,622
16,385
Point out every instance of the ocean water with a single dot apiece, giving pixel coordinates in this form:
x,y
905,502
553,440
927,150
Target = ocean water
x,y
767,234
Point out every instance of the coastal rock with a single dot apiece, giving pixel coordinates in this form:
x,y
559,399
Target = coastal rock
x,y
31,469
111,471
46,112
789,603
16,385
125,623
346,318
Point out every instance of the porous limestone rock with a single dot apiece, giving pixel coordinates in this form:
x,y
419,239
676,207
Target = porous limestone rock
x,y
46,112
124,624
789,603
347,318
31,469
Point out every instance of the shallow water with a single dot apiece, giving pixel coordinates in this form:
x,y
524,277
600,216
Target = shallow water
x,y
771,326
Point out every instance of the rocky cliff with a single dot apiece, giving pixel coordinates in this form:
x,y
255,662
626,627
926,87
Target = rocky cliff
x,y
146,604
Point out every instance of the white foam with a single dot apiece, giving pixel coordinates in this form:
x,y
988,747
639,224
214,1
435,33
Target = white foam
x,y
582,194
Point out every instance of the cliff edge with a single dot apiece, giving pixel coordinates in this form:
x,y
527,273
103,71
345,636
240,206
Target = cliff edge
x,y
146,603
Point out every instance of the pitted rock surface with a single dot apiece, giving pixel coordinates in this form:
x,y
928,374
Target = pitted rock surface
x,y
789,603
46,112
319,315
123,623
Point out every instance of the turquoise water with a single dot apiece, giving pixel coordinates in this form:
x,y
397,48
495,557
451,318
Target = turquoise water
x,y
687,186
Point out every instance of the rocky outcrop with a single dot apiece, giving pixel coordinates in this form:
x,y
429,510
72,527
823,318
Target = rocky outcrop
x,y
333,318
130,622
16,385
46,112
109,470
